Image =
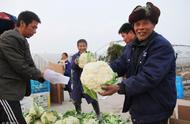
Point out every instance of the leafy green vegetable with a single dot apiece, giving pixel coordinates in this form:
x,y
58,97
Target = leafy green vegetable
x,y
90,92
71,117
36,111
49,117
69,113
29,118
112,81
37,122
85,58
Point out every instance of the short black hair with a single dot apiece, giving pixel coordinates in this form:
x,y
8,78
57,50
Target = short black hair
x,y
82,41
125,28
65,54
27,17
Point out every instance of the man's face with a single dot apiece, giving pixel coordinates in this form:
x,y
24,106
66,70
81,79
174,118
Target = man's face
x,y
82,47
143,28
128,37
29,30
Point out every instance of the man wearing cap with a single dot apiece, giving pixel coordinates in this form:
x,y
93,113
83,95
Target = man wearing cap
x,y
149,63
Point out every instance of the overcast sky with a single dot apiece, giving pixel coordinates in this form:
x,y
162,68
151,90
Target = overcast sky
x,y
97,21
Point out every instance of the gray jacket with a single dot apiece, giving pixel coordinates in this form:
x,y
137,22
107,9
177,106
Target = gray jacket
x,y
16,66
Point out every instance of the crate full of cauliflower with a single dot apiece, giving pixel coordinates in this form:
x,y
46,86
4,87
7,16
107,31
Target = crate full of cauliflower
x,y
96,74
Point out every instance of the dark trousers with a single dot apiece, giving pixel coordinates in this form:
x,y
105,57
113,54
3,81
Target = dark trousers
x,y
165,121
10,112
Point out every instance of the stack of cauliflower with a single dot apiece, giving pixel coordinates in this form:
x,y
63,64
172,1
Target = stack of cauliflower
x,y
86,58
37,115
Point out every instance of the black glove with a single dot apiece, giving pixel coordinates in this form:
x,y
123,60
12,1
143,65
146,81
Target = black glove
x,y
41,79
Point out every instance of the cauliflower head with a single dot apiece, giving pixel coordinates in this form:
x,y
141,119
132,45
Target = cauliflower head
x,y
36,110
29,119
86,58
95,74
59,122
90,121
71,120
37,122
49,117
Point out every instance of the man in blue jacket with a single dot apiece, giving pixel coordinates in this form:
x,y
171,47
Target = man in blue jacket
x,y
149,64
77,91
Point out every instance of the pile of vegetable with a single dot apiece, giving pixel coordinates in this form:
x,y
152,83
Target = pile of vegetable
x,y
37,115
86,58
96,74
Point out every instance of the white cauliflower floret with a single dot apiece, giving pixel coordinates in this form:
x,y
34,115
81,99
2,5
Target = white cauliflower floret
x,y
36,110
59,122
86,58
41,110
33,110
29,119
37,122
49,117
71,120
95,74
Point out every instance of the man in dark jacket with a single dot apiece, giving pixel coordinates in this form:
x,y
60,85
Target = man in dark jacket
x,y
127,33
17,67
149,63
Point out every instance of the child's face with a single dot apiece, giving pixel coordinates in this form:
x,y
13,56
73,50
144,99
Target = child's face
x,y
63,57
82,47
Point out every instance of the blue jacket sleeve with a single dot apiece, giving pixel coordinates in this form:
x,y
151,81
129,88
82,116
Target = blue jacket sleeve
x,y
73,65
154,70
67,69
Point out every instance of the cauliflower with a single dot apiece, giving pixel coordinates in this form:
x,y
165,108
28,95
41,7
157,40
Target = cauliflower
x,y
33,110
34,113
36,110
40,111
37,122
95,74
59,122
90,121
86,58
71,120
29,119
49,117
